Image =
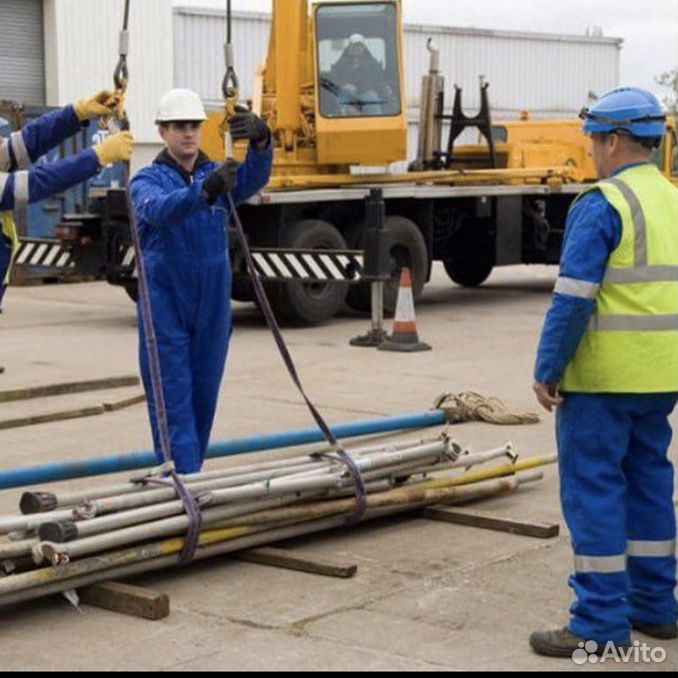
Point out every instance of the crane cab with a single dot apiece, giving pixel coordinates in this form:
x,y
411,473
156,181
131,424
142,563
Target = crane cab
x,y
332,89
361,108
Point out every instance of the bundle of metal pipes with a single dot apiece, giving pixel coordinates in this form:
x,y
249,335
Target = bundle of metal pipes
x,y
63,541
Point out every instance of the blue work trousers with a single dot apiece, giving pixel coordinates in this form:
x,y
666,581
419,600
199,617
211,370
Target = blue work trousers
x,y
616,484
191,306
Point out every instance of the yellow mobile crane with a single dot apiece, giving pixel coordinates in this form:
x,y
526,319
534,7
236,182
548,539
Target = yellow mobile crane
x,y
332,91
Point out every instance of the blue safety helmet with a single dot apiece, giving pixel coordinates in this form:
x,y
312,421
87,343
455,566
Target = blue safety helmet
x,y
632,110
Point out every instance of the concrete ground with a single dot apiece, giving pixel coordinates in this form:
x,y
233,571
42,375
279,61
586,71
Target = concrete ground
x,y
427,595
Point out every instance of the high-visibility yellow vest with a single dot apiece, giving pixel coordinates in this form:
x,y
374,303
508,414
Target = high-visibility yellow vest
x,y
8,229
631,345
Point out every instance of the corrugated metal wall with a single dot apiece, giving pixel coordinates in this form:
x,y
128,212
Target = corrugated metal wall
x,y
549,75
199,37
22,59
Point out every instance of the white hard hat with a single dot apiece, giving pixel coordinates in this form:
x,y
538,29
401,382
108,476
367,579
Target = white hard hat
x,y
356,39
180,104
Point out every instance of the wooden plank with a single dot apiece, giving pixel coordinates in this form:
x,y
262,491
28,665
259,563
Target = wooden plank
x,y
126,599
489,521
115,405
51,417
68,387
63,415
303,562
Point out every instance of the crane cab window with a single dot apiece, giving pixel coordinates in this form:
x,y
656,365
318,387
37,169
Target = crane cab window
x,y
358,69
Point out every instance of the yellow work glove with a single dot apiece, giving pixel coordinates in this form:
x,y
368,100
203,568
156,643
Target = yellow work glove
x,y
103,104
115,148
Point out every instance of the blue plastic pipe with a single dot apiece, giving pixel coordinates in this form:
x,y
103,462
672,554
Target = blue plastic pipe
x,y
48,473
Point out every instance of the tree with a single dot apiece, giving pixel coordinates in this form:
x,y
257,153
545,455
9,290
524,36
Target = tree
x,y
670,80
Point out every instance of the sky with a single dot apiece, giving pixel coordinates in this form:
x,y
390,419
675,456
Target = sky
x,y
649,27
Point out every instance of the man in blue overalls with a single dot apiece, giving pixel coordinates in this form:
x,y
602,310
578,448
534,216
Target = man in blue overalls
x,y
20,185
182,214
608,360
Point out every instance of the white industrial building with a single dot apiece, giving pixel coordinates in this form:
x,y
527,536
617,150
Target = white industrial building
x,y
56,50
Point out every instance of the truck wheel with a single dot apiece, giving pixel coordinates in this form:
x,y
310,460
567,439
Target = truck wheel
x,y
309,303
471,256
470,269
408,249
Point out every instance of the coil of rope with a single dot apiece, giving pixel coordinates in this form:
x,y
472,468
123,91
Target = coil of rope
x,y
471,406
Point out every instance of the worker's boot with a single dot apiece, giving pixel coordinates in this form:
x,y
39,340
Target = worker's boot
x,y
563,643
660,631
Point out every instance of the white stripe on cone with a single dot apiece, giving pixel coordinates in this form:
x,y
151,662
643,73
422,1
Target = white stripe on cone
x,y
405,306
405,303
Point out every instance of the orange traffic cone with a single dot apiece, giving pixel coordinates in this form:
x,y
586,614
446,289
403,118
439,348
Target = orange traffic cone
x,y
404,337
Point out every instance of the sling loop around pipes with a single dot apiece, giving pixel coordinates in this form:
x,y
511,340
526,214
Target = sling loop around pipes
x,y
190,505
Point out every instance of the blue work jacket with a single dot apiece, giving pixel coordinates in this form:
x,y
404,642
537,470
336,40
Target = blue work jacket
x,y
174,218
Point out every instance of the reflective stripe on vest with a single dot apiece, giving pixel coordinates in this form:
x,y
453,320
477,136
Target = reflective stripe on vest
x,y
634,323
620,276
639,223
632,342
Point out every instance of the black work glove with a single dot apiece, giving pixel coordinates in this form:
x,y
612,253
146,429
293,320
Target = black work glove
x,y
249,126
222,180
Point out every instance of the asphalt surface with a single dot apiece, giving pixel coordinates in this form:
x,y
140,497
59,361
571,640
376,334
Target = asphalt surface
x,y
427,595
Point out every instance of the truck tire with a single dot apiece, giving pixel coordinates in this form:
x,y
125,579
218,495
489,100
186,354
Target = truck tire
x,y
471,260
408,249
471,268
311,303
